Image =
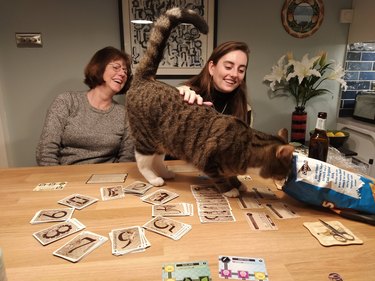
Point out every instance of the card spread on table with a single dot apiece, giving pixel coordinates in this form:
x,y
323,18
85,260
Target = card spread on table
x,y
242,268
112,192
78,201
325,236
186,271
52,215
128,240
281,210
80,246
50,186
212,205
58,231
167,227
107,178
159,197
260,221
172,210
137,187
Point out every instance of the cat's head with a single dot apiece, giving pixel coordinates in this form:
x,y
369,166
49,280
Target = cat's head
x,y
280,157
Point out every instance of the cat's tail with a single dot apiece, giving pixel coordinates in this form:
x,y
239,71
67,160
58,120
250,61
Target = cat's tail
x,y
159,35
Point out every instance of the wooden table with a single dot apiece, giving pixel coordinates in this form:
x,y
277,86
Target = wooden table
x,y
290,253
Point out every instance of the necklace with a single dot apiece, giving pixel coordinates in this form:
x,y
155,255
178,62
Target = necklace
x,y
225,107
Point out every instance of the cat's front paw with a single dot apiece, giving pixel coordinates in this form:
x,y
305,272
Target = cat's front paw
x,y
157,181
234,192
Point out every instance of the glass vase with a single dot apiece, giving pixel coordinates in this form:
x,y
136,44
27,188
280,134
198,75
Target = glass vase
x,y
298,130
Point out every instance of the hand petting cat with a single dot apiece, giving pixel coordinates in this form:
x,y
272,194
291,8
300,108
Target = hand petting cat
x,y
191,97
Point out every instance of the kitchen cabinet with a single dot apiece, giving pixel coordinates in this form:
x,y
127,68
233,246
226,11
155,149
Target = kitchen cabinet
x,y
362,26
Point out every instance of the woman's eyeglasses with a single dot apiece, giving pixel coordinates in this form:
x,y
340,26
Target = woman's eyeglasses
x,y
117,68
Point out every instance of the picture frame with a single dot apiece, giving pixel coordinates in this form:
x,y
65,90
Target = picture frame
x,y
187,50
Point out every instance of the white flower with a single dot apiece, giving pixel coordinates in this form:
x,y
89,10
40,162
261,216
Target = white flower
x,y
304,68
337,74
278,73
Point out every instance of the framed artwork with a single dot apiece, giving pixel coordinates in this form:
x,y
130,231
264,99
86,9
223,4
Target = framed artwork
x,y
187,50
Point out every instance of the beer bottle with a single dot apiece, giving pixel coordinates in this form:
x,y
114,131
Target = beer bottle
x,y
318,147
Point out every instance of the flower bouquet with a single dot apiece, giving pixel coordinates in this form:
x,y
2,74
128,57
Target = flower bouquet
x,y
303,79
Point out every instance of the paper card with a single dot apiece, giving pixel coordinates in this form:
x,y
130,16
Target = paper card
x,y
242,268
107,178
159,197
216,218
80,246
205,189
325,235
52,215
127,240
77,201
58,231
261,192
167,227
260,221
137,187
50,186
248,202
281,210
112,192
172,210
194,270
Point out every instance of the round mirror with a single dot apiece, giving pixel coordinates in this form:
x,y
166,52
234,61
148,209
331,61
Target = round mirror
x,y
302,18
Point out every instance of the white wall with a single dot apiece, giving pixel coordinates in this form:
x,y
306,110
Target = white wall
x,y
72,30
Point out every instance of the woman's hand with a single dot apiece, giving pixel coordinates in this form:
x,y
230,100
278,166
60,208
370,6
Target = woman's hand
x,y
191,96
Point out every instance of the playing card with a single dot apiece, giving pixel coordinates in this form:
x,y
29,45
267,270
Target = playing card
x,y
80,246
281,210
167,227
159,197
184,271
52,215
261,193
170,210
248,202
127,240
112,192
137,187
107,178
260,221
242,268
58,231
50,186
216,218
77,201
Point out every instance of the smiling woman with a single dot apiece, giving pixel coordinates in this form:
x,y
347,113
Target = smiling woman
x,y
90,127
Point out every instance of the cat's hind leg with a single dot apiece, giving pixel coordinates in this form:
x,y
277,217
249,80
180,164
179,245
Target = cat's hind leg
x,y
145,167
160,167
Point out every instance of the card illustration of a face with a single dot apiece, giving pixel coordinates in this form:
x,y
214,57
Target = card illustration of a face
x,y
81,245
52,215
77,201
58,231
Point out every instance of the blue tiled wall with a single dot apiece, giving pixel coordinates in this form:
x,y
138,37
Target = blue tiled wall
x,y
360,75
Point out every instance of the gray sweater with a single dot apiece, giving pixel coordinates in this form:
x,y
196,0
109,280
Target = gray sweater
x,y
74,132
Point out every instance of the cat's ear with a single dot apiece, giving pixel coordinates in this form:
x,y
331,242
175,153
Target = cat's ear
x,y
284,134
285,152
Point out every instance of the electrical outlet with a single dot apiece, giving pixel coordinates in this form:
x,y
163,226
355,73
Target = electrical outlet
x,y
29,40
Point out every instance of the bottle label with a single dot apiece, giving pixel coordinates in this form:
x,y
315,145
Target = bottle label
x,y
321,124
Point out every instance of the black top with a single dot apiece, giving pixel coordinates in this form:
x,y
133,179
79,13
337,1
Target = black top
x,y
221,101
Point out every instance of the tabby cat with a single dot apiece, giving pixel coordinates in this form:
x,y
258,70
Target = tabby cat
x,y
162,123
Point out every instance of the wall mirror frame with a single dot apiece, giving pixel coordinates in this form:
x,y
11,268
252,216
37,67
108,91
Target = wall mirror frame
x,y
302,18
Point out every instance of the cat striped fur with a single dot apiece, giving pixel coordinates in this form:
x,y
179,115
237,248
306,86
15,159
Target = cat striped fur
x,y
162,123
